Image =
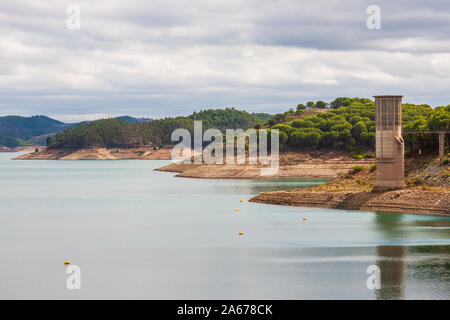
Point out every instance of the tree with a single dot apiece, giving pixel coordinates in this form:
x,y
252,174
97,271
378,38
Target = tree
x,y
355,119
328,139
283,138
358,129
321,104
284,128
49,141
368,138
340,102
278,118
439,118
301,107
297,138
310,104
298,123
312,139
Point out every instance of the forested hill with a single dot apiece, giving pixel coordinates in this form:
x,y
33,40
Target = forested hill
x,y
24,131
344,123
119,133
27,127
350,124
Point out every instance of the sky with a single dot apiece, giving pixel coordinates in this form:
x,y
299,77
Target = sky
x,y
165,58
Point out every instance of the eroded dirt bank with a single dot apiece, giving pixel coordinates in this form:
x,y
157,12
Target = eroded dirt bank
x,y
324,164
353,191
402,201
19,149
98,154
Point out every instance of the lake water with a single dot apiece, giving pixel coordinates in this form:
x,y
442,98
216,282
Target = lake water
x,y
138,233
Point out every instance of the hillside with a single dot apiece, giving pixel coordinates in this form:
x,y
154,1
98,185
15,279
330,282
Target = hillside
x,y
24,131
351,125
12,142
27,127
121,133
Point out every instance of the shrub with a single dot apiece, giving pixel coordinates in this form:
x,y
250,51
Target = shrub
x,y
357,169
373,167
284,128
363,156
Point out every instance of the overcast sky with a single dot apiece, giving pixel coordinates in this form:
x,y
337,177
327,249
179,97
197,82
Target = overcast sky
x,y
163,58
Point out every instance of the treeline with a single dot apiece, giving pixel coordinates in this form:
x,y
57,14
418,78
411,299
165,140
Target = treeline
x,y
348,123
120,133
351,124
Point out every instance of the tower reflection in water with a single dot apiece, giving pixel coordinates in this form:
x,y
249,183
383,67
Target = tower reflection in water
x,y
391,259
421,267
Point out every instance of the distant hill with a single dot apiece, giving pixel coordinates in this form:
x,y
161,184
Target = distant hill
x,y
23,131
26,128
12,142
121,132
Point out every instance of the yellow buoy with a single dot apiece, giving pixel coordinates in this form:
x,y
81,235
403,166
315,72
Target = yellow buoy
x,y
66,262
304,219
241,233
241,200
237,210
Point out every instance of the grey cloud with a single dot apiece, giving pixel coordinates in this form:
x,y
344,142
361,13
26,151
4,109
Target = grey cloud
x,y
156,58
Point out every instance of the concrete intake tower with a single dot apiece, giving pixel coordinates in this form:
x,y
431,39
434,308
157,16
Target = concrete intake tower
x,y
390,149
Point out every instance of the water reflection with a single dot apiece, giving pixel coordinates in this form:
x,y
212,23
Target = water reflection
x,y
391,260
426,264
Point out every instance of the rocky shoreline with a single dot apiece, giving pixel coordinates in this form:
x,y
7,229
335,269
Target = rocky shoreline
x,y
414,201
344,190
354,191
98,154
293,165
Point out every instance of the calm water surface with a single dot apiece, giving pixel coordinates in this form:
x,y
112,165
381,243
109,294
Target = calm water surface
x,y
138,233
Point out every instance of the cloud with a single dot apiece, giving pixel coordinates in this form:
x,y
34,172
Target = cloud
x,y
164,58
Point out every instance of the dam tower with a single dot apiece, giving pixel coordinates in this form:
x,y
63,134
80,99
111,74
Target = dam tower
x,y
390,149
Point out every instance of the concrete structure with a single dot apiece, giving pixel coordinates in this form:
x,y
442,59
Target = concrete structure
x,y
441,134
441,147
390,149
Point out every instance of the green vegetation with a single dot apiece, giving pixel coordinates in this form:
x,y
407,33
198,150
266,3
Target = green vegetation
x,y
351,124
120,133
363,155
357,169
27,127
12,142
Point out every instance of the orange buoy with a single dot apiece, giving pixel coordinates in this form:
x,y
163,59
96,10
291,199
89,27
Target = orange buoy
x,y
66,262
241,233
304,219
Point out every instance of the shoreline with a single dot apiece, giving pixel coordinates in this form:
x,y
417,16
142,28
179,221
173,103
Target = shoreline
x,y
410,200
144,153
20,149
354,191
342,191
293,165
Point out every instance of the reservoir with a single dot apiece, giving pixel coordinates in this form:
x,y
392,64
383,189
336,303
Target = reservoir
x,y
136,233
